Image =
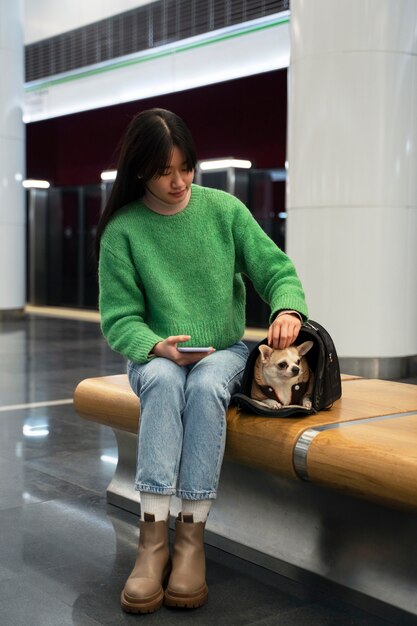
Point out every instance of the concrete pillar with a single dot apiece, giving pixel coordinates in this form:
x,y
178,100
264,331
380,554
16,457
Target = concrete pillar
x,y
352,175
12,159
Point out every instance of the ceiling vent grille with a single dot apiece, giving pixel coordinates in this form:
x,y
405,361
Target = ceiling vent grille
x,y
143,28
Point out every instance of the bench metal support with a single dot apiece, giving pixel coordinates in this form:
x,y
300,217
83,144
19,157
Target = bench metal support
x,y
121,490
302,531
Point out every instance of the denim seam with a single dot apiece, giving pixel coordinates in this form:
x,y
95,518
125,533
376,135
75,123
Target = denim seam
x,y
220,453
227,383
196,495
169,491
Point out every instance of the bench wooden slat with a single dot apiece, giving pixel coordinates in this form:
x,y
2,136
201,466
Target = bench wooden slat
x,y
264,443
375,460
268,443
108,400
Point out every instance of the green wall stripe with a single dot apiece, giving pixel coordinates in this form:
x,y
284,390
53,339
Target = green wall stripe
x,y
150,57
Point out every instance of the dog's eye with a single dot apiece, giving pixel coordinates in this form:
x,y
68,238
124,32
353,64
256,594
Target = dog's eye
x,y
282,365
297,362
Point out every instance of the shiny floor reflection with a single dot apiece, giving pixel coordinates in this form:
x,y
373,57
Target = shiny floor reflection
x,y
65,553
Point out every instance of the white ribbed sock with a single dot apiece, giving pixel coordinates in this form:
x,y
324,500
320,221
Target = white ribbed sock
x,y
156,504
199,508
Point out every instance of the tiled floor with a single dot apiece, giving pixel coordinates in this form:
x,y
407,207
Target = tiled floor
x,y
65,553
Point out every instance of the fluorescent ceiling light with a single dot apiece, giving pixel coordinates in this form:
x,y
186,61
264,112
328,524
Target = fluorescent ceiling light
x,y
220,164
108,175
30,183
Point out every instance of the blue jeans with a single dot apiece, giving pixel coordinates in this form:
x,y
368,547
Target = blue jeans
x,y
182,432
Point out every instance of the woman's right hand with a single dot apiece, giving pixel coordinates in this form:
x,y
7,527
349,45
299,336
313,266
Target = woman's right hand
x,y
168,350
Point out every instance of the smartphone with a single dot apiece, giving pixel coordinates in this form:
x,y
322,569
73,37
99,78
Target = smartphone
x,y
200,349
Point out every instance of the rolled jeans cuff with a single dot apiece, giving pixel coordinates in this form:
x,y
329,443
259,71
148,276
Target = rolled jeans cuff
x,y
162,491
196,495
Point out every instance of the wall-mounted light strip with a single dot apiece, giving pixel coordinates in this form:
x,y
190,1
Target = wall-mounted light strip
x,y
108,175
30,183
211,164
220,164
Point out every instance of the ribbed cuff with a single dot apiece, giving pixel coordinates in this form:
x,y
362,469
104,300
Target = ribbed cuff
x,y
289,313
141,352
155,504
289,303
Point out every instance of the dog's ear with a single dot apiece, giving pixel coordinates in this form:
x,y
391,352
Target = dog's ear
x,y
303,348
266,352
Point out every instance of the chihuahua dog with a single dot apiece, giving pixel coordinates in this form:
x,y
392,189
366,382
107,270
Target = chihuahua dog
x,y
283,377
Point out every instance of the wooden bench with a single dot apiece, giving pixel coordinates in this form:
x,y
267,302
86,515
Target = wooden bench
x,y
286,475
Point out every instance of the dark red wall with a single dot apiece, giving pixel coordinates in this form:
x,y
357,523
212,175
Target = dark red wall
x,y
243,118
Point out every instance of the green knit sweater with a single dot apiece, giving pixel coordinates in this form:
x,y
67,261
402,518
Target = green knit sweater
x,y
180,274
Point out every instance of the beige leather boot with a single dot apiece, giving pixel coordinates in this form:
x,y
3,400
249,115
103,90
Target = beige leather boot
x,y
143,592
187,584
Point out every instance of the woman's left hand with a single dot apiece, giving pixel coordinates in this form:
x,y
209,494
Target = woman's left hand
x,y
283,331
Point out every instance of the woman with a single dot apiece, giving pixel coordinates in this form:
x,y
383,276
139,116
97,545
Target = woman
x,y
171,259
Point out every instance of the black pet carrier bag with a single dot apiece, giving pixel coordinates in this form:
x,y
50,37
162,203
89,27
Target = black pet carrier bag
x,y
323,362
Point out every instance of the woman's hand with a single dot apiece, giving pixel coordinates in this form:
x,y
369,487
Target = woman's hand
x,y
283,331
168,350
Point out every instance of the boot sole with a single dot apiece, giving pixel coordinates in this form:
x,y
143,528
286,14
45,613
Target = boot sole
x,y
187,601
146,605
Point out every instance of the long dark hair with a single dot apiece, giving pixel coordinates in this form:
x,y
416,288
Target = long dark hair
x,y
144,153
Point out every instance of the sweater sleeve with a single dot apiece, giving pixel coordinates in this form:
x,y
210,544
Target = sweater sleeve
x,y
122,308
271,271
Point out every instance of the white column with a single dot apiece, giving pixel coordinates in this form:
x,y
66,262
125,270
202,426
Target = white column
x,y
12,155
352,184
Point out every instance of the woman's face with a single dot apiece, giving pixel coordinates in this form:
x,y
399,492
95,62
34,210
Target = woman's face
x,y
175,182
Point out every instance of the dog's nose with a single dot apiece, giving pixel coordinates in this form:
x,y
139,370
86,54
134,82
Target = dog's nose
x,y
295,370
